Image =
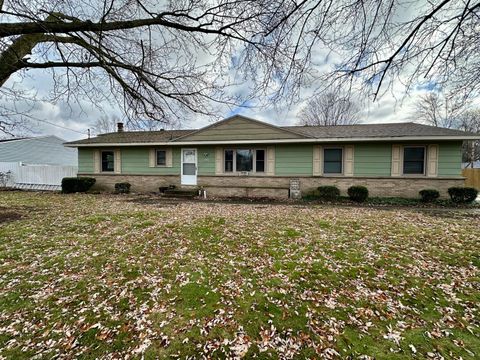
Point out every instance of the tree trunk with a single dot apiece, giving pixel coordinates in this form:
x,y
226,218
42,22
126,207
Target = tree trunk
x,y
11,60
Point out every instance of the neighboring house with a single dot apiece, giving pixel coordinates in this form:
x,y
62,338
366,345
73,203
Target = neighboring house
x,y
42,150
37,162
240,156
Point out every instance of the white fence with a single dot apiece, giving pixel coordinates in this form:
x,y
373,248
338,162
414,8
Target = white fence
x,y
38,177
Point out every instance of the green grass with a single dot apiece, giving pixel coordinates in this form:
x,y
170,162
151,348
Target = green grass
x,y
87,276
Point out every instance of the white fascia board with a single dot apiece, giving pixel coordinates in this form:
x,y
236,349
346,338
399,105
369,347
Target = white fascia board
x,y
285,141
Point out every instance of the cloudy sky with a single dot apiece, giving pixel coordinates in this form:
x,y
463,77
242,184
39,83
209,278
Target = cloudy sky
x,y
71,120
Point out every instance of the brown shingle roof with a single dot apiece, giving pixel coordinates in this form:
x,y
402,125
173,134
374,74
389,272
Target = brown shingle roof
x,y
134,137
363,131
376,130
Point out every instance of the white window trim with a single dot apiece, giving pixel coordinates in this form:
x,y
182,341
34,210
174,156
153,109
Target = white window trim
x,y
254,160
156,158
323,160
101,161
152,157
402,154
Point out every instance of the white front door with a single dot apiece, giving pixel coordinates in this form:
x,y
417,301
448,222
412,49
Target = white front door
x,y
189,166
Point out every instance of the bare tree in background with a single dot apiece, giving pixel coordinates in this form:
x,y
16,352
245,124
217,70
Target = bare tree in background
x,y
470,121
168,60
332,108
105,124
439,110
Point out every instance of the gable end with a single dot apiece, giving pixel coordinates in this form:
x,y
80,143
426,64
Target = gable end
x,y
240,128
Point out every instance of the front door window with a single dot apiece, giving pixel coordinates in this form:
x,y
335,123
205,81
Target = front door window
x,y
189,167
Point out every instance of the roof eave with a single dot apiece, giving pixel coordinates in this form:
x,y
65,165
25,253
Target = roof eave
x,y
286,141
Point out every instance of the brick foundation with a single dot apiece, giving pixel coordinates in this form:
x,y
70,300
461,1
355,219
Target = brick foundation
x,y
277,187
140,183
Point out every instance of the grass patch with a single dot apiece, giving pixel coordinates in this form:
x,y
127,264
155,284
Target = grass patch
x,y
93,276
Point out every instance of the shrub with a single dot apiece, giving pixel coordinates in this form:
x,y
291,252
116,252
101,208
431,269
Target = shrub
x,y
5,178
77,184
122,188
462,194
328,192
358,193
310,195
429,195
470,194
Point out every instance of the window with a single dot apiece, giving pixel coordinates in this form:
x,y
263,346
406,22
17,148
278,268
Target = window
x,y
248,160
107,161
260,161
161,157
189,162
332,161
414,160
244,160
228,160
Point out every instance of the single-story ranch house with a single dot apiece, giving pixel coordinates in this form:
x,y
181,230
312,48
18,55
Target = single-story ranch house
x,y
240,156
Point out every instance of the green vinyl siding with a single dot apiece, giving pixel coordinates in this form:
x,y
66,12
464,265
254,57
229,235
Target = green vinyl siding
x,y
372,159
135,160
292,160
450,159
206,160
85,161
240,129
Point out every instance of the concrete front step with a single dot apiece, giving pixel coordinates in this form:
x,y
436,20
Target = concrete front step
x,y
180,193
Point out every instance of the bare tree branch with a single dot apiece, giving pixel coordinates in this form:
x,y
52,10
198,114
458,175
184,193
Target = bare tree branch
x,y
333,108
173,60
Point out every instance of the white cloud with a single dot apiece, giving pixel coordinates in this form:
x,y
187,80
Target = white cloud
x,y
72,119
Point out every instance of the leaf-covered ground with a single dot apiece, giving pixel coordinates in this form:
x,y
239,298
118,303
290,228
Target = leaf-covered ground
x,y
99,276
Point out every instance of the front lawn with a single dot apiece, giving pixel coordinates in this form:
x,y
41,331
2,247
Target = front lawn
x,y
103,276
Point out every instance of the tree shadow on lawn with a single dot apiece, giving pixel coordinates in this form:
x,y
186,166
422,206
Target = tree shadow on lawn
x,y
12,214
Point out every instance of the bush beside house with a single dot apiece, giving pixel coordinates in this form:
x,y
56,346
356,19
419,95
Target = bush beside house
x,y
429,195
122,188
328,192
358,193
77,184
462,194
